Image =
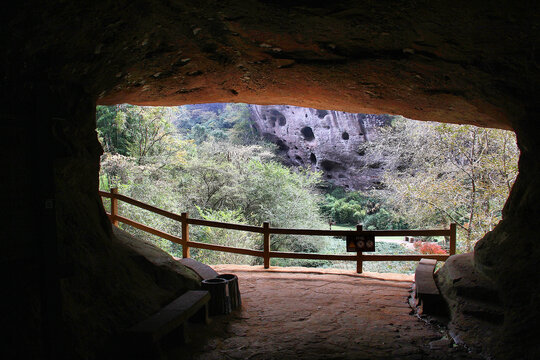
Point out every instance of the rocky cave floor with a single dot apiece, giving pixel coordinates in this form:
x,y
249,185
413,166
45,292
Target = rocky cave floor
x,y
301,313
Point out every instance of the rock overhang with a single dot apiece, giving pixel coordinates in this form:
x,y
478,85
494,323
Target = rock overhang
x,y
437,62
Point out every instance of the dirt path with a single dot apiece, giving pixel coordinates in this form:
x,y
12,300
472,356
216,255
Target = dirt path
x,y
301,313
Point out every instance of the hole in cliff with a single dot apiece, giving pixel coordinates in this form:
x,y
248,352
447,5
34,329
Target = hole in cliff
x,y
345,135
273,120
321,113
378,185
313,158
282,146
329,165
307,132
282,121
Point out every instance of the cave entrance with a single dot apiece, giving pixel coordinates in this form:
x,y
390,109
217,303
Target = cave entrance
x,y
213,155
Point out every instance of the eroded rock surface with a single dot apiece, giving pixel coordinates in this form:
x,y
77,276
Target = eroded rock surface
x,y
324,140
474,303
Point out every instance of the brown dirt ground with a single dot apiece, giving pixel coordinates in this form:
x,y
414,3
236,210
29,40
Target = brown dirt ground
x,y
302,313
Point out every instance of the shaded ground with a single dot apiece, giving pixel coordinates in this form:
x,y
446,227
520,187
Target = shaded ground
x,y
301,313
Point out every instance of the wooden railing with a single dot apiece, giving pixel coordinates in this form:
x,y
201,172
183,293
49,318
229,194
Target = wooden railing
x,y
267,231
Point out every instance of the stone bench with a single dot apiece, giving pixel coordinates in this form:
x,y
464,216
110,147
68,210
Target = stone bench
x,y
203,270
170,320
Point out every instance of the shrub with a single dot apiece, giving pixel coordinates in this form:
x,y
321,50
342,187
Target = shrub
x,y
428,248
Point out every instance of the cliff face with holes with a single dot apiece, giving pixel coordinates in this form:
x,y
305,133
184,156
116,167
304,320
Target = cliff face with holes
x,y
458,62
327,141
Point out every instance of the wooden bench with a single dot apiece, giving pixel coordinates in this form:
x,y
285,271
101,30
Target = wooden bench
x,y
170,320
426,293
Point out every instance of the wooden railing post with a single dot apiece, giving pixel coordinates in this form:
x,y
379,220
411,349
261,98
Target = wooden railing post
x,y
453,238
114,206
266,244
185,235
359,253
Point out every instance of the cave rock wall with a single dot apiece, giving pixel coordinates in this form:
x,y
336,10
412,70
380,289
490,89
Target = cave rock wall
x,y
457,62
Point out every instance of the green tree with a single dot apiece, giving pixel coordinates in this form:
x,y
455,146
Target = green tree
x,y
151,132
112,129
222,181
216,122
440,173
142,132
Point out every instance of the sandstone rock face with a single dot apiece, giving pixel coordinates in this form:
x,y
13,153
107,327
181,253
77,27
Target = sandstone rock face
x,y
84,283
322,140
460,62
473,302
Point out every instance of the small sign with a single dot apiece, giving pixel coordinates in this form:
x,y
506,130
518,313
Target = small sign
x,y
357,243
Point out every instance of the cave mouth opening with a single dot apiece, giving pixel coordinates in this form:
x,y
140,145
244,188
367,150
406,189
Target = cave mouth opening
x,y
221,129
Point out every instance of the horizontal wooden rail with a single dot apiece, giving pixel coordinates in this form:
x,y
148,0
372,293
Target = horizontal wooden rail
x,y
259,229
142,205
310,232
339,257
149,229
312,256
222,225
194,244
266,230
441,232
104,194
384,257
229,249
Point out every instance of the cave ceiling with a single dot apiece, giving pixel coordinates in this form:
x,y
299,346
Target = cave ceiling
x,y
461,62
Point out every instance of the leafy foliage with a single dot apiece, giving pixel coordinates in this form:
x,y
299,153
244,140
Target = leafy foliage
x,y
144,133
354,207
212,177
216,121
439,173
